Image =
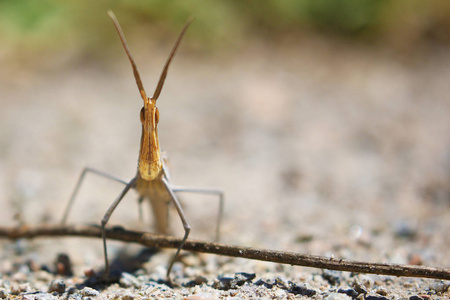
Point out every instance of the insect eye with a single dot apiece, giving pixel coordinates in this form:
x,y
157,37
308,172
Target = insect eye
x,y
142,115
156,115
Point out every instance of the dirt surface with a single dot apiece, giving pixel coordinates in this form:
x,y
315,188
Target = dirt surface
x,y
321,148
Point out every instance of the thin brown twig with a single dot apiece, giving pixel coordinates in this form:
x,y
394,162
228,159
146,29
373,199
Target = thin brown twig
x,y
283,257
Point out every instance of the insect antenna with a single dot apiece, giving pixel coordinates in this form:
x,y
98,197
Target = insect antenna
x,y
125,46
169,60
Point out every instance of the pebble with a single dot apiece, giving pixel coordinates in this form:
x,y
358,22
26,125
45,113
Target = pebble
x,y
303,289
126,295
222,283
439,287
39,296
44,276
375,297
381,291
333,277
3,293
63,265
128,280
359,287
16,288
280,293
19,277
198,280
281,282
349,292
202,296
226,283
241,278
58,286
405,229
89,292
337,296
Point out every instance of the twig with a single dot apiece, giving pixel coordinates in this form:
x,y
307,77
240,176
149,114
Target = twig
x,y
283,257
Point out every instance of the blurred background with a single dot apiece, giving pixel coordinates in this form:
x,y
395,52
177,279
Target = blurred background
x,y
326,123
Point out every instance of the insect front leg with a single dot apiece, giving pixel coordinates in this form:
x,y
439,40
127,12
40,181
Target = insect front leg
x,y
186,226
108,215
219,193
77,187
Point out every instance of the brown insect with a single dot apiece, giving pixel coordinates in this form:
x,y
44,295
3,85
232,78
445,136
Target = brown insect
x,y
152,180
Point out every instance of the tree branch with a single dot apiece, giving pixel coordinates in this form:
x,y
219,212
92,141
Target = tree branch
x,y
283,257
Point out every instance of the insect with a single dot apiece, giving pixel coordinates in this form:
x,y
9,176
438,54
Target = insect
x,y
152,179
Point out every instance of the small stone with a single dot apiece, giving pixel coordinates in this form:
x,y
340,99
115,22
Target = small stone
x,y
359,287
203,296
58,286
222,283
43,296
19,277
226,283
415,259
128,280
304,238
127,296
241,278
337,296
280,294
381,291
90,273
415,297
439,287
16,289
264,283
367,281
333,277
281,282
199,280
303,289
375,297
349,292
75,297
63,265
406,230
89,292
3,293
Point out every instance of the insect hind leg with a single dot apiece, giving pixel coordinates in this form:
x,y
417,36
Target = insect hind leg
x,y
181,189
78,185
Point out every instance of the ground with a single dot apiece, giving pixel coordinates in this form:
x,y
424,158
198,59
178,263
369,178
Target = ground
x,y
322,147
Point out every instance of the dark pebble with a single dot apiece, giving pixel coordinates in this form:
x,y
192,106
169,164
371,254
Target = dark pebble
x,y
199,280
415,297
63,265
264,283
58,286
282,283
3,293
300,290
226,283
375,297
360,288
241,278
333,277
405,230
222,283
349,292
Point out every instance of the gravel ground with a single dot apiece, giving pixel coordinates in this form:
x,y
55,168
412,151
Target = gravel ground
x,y
321,147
